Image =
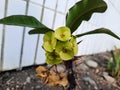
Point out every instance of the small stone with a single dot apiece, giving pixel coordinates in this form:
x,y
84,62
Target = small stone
x,y
12,88
32,88
24,83
92,82
82,67
12,82
108,78
60,68
28,80
17,86
37,87
8,89
91,63
105,74
97,71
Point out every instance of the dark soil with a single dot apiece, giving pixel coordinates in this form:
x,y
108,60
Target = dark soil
x,y
26,79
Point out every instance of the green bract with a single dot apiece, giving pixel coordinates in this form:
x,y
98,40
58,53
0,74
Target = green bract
x,y
66,54
63,33
74,45
49,41
53,58
65,50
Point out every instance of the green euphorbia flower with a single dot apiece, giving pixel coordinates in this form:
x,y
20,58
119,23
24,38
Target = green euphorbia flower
x,y
53,58
65,50
74,44
63,33
49,41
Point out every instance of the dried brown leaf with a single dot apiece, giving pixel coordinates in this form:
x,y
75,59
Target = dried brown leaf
x,y
62,74
51,78
41,72
63,82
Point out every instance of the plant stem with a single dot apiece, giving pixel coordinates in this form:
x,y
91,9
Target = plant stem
x,y
70,74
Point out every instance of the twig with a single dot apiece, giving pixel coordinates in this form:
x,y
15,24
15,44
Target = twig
x,y
8,82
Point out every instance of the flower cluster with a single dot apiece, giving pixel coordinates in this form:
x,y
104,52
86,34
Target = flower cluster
x,y
59,45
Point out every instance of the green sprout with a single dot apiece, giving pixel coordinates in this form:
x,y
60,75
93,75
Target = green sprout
x,y
113,65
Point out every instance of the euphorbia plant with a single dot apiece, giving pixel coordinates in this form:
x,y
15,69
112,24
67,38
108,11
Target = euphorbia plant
x,y
60,44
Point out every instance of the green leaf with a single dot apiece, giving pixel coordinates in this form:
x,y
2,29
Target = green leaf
x,y
22,20
99,31
41,30
117,60
83,10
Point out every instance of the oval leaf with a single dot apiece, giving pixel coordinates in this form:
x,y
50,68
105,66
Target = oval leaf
x,y
99,31
21,20
41,30
83,10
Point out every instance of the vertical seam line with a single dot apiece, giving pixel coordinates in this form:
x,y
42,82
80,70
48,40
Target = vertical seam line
x,y
38,37
23,38
3,37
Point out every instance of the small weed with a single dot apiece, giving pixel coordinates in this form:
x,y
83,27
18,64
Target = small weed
x,y
113,65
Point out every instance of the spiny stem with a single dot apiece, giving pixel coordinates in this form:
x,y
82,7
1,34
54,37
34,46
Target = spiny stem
x,y
70,74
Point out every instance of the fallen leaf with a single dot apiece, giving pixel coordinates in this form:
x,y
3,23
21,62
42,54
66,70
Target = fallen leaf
x,y
63,82
52,78
41,72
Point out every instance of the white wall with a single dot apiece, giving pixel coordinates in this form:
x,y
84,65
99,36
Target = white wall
x,y
99,43
23,50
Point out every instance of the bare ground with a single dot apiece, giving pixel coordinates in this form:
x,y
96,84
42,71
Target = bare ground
x,y
86,79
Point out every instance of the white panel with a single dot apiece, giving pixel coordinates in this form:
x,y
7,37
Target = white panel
x,y
61,5
13,37
37,1
70,4
59,21
1,16
30,40
41,53
50,4
94,43
48,17
99,43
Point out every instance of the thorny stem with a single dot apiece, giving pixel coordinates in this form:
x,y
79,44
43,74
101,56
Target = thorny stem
x,y
70,74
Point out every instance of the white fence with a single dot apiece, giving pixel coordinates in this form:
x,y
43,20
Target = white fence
x,y
18,49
